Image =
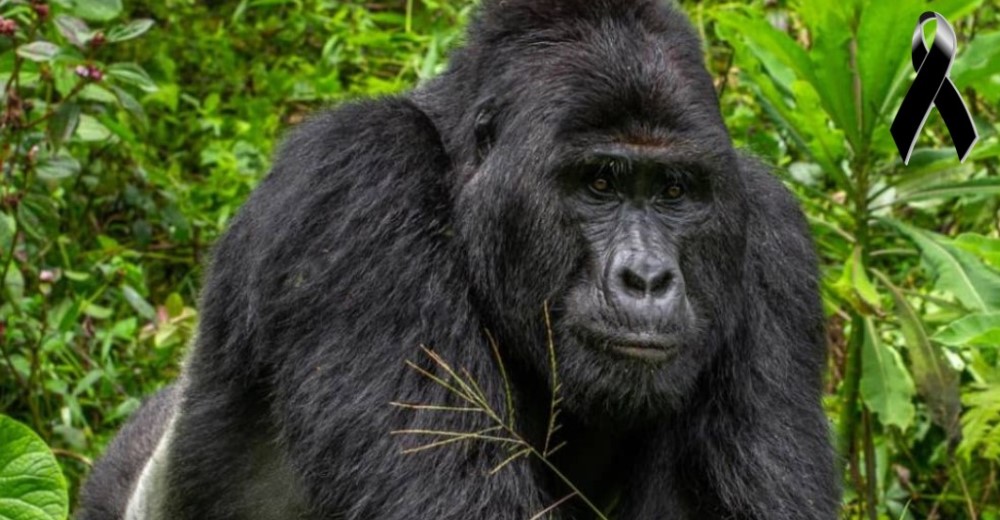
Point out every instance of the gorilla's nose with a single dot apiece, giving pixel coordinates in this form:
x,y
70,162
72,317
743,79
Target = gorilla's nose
x,y
642,275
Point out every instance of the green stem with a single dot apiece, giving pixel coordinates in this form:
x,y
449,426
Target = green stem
x,y
597,511
409,16
871,490
852,380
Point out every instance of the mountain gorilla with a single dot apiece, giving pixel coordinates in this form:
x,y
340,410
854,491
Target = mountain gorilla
x,y
572,155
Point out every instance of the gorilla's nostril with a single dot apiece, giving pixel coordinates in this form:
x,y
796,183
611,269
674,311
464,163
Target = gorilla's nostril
x,y
660,283
634,282
652,282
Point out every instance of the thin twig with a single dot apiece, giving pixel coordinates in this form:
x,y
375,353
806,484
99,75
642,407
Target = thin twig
x,y
438,444
434,408
470,391
558,503
66,454
443,433
509,394
554,401
965,491
510,459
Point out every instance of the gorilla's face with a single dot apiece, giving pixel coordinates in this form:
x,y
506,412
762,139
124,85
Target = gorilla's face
x,y
635,247
653,288
610,191
633,205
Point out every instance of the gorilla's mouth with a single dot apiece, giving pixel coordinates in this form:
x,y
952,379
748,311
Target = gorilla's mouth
x,y
655,354
655,347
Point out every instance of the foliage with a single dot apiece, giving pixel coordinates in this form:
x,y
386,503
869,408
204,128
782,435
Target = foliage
x,y
913,310
33,484
130,132
74,299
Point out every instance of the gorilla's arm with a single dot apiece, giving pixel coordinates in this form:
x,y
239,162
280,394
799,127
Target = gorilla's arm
x,y
766,439
754,444
339,268
106,493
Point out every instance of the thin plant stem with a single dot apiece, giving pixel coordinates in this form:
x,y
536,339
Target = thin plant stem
x,y
461,383
553,507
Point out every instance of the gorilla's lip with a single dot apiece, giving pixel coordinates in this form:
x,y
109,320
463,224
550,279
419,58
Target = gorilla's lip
x,y
644,352
646,346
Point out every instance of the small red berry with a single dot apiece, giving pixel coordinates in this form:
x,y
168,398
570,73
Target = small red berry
x,y
97,40
89,72
41,10
7,27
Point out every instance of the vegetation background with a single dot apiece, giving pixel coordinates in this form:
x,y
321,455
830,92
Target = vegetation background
x,y
130,132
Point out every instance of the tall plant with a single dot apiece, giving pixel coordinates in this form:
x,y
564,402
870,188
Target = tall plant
x,y
68,120
918,309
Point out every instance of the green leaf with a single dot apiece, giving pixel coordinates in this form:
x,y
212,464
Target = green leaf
x,y
958,271
30,221
7,228
782,57
787,90
131,105
33,486
859,280
936,381
133,29
97,10
830,26
883,48
88,381
125,408
74,30
981,424
138,302
97,312
74,437
76,276
174,305
854,283
886,386
986,248
14,283
58,167
975,330
132,74
91,130
63,123
975,187
956,9
39,51
98,93
978,63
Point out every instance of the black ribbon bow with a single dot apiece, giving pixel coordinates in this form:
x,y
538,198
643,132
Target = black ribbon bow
x,y
933,87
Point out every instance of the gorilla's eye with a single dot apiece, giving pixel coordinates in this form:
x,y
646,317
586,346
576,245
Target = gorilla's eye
x,y
675,191
600,185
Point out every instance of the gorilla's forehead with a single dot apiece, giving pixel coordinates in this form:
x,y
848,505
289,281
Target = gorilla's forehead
x,y
617,74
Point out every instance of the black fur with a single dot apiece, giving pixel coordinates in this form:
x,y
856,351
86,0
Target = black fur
x,y
430,218
106,492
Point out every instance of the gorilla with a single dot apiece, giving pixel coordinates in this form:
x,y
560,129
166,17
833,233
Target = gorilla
x,y
565,195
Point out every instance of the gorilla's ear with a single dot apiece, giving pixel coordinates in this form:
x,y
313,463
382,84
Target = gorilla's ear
x,y
484,129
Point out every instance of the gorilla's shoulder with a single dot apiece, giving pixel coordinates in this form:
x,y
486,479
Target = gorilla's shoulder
x,y
774,208
387,129
362,160
779,240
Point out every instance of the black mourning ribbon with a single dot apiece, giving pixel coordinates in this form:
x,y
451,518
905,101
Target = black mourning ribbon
x,y
932,87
